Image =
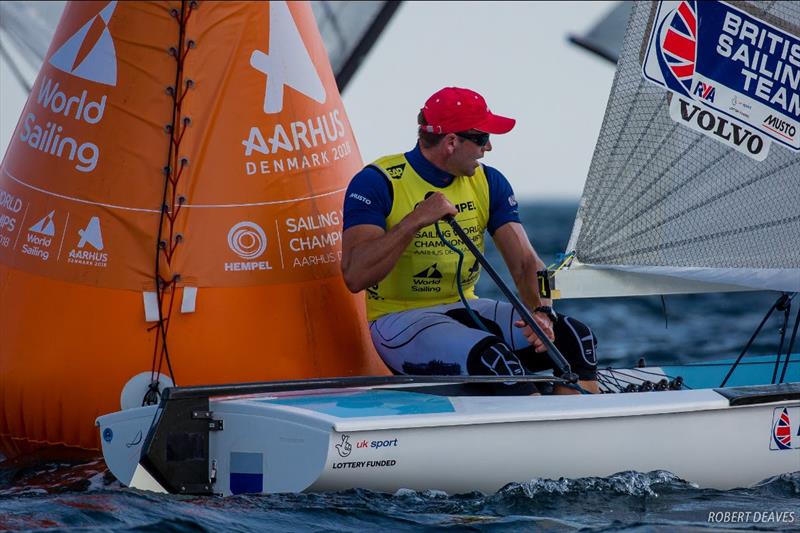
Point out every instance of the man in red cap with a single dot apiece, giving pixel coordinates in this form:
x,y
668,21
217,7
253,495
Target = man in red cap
x,y
392,249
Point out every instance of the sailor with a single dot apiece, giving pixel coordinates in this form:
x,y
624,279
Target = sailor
x,y
392,250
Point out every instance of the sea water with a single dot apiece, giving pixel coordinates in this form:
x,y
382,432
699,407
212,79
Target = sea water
x,y
677,329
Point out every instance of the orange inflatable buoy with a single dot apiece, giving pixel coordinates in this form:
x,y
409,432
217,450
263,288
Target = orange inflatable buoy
x,y
170,212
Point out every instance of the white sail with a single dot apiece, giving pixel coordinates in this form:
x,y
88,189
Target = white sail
x,y
672,205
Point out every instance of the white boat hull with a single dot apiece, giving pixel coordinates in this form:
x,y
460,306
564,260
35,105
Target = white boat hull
x,y
386,439
723,449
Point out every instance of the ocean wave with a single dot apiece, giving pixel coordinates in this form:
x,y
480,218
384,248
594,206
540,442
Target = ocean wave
x,y
625,483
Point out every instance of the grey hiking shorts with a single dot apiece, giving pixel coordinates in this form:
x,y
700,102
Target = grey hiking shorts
x,y
445,340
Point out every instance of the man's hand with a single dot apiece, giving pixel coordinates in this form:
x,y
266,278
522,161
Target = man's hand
x,y
369,252
433,208
543,321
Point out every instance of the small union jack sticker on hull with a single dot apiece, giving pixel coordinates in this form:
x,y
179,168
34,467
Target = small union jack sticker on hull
x,y
785,429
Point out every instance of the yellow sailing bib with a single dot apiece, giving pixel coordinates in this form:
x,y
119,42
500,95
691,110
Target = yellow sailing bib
x,y
425,275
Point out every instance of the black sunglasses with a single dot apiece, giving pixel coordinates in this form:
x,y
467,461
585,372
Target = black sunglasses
x,y
481,139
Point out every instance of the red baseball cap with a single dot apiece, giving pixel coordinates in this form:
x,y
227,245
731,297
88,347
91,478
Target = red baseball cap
x,y
453,109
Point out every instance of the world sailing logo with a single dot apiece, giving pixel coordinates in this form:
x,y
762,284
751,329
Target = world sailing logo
x,y
90,52
45,226
40,237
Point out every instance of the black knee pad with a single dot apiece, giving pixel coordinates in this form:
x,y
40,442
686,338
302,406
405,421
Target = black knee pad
x,y
578,345
491,357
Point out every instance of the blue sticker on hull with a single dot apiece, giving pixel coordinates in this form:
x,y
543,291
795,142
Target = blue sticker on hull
x,y
247,473
370,403
247,483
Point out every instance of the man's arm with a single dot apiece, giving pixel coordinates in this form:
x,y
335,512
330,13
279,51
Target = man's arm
x,y
524,264
369,253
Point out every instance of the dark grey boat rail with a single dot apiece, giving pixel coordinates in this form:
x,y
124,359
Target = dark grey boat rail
x,y
263,387
757,394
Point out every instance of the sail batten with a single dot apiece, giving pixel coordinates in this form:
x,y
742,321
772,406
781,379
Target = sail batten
x,y
688,181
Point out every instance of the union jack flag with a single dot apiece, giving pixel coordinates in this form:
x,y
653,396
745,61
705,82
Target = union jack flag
x,y
782,431
679,44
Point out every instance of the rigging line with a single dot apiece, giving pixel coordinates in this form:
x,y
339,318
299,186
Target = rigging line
x,y
791,345
612,375
787,309
752,338
634,376
606,382
604,388
612,382
631,376
602,378
656,374
621,386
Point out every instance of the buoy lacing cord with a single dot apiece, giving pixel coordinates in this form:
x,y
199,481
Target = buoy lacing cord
x,y
171,203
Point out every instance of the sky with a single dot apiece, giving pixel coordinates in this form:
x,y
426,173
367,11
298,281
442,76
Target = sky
x,y
515,54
